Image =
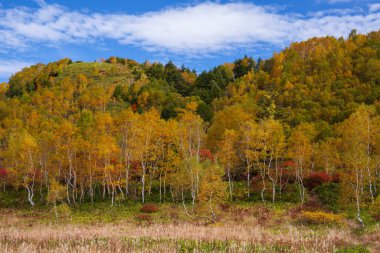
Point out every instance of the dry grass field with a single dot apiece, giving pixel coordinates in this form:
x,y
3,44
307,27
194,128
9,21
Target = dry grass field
x,y
238,229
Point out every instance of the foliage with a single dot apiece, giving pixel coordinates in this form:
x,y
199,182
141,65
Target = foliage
x,y
290,194
319,217
212,188
120,130
144,217
3,173
149,208
329,195
56,192
64,211
315,179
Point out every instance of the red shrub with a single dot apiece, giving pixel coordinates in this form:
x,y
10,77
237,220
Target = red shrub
x,y
143,217
377,217
134,107
288,175
316,178
136,169
206,154
225,207
149,208
3,173
288,164
256,182
335,178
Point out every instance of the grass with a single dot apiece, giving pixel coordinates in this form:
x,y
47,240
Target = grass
x,y
239,227
100,73
144,244
168,237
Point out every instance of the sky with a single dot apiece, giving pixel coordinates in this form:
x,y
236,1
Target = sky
x,y
197,34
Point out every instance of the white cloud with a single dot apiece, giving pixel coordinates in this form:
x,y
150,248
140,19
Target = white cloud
x,y
338,1
374,7
10,67
41,3
187,30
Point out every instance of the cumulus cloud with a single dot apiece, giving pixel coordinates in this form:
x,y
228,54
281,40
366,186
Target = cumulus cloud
x,y
189,30
374,7
9,67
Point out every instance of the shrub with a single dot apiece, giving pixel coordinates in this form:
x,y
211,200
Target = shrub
x,y
377,217
206,154
3,173
225,207
377,202
240,213
149,208
288,175
144,217
295,212
64,211
335,178
262,214
289,164
329,195
241,189
315,179
320,217
290,193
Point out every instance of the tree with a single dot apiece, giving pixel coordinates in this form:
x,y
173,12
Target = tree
x,y
144,144
249,131
212,189
243,66
126,120
66,146
231,118
274,148
175,79
357,142
228,157
262,147
21,158
57,192
122,129
300,149
327,155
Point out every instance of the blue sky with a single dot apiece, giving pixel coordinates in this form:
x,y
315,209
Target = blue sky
x,y
198,34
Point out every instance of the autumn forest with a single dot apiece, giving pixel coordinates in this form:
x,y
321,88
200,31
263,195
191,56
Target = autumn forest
x,y
299,131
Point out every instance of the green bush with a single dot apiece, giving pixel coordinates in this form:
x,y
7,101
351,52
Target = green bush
x,y
290,193
329,195
377,202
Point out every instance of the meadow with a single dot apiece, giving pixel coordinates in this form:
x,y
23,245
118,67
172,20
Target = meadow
x,y
133,227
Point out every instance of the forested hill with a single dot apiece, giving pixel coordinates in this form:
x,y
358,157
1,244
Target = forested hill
x,y
112,125
322,80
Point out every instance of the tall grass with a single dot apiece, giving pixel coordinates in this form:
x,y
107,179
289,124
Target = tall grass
x,y
168,238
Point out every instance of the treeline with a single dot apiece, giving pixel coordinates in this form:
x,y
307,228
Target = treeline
x,y
117,129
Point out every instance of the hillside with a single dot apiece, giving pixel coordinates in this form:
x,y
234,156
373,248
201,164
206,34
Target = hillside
x,y
300,130
322,79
